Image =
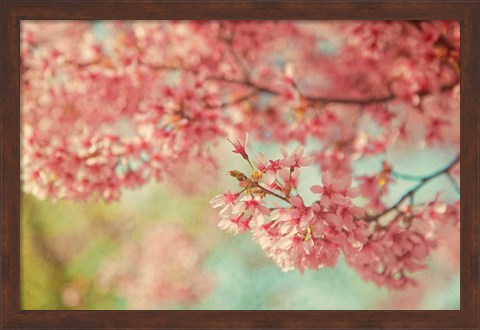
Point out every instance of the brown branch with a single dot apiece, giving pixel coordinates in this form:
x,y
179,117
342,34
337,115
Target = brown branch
x,y
236,56
453,182
241,99
326,100
411,192
267,90
311,98
271,193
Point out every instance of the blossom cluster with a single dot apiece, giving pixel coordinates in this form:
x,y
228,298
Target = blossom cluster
x,y
108,106
112,106
299,236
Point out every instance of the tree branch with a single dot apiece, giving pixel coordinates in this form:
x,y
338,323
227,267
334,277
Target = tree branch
x,y
453,182
412,191
271,193
311,98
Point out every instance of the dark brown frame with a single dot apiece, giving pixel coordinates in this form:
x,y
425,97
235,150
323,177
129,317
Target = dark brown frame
x,y
467,12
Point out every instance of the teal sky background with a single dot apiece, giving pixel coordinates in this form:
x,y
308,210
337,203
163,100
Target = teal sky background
x,y
245,279
248,280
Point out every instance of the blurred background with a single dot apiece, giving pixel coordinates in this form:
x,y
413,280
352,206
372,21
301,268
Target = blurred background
x,y
159,247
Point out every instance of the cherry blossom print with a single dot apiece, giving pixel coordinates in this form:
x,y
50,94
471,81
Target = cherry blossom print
x,y
107,112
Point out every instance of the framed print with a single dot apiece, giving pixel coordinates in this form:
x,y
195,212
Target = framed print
x,y
213,164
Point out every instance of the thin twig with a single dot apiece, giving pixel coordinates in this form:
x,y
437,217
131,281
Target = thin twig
x,y
454,183
271,193
311,98
412,191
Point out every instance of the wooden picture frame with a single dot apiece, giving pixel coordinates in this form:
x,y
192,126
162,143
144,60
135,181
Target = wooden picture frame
x,y
12,12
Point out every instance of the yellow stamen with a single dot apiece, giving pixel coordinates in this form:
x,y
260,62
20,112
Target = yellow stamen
x,y
382,180
441,52
300,112
52,177
309,234
256,175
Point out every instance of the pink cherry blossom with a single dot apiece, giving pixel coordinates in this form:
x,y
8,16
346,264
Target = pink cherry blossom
x,y
296,159
226,201
334,190
240,146
298,236
102,115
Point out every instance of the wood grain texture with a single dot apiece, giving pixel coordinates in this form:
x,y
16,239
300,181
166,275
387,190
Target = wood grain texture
x,y
467,12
